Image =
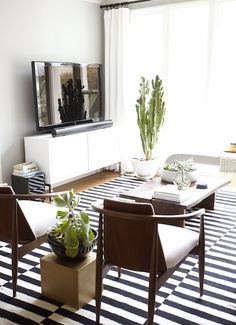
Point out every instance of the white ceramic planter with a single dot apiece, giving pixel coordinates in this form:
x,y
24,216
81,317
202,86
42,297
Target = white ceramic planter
x,y
169,176
144,169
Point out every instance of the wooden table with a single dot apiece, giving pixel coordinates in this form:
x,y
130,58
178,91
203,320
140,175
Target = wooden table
x,y
202,198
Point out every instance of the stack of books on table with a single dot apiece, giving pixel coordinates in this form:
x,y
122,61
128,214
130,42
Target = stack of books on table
x,y
231,148
171,193
26,169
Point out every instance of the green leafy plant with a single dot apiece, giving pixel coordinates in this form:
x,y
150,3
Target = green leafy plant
x,y
72,228
181,168
150,110
180,165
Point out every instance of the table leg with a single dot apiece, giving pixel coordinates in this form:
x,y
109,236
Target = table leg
x,y
167,208
208,203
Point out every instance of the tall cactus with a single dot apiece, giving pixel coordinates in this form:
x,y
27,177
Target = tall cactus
x,y
150,117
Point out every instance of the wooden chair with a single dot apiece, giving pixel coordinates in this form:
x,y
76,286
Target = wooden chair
x,y
199,159
24,223
206,165
132,237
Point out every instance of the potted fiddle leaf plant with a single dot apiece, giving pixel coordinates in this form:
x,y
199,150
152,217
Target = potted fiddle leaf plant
x,y
150,108
72,236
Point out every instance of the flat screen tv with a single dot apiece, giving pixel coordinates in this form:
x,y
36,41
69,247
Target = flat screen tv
x,y
66,94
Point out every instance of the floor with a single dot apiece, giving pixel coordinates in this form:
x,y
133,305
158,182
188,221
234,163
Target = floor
x,y
100,178
125,298
88,182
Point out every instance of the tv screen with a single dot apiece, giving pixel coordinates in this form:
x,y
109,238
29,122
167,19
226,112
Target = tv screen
x,y
66,94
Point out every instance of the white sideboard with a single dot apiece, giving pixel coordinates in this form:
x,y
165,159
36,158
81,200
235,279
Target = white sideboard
x,y
65,158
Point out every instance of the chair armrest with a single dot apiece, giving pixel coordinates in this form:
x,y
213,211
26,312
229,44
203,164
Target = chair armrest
x,y
30,196
99,207
186,216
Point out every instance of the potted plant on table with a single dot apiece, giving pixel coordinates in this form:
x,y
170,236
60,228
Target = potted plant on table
x,y
72,235
180,172
150,110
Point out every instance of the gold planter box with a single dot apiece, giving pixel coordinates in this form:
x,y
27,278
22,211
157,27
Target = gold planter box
x,y
68,282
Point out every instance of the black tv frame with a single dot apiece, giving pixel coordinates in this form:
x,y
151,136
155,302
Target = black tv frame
x,y
72,124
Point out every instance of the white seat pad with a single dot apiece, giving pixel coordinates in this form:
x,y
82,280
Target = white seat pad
x,y
176,242
39,215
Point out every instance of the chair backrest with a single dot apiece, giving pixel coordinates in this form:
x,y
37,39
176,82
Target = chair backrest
x,y
199,159
206,165
130,235
6,214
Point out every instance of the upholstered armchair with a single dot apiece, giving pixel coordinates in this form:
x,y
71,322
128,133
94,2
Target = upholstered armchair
x,y
24,223
132,237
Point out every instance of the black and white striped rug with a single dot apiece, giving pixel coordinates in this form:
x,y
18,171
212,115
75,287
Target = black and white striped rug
x,y
125,299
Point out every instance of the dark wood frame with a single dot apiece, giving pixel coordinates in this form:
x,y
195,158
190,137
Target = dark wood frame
x,y
113,248
15,228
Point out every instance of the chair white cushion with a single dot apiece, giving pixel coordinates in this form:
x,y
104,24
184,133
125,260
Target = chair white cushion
x,y
39,215
176,242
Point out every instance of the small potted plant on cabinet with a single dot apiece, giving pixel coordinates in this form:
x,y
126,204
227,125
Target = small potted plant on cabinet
x,y
150,110
72,235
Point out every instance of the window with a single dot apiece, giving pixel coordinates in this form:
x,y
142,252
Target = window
x,y
193,49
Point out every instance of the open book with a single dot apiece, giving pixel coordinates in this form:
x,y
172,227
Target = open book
x,y
171,193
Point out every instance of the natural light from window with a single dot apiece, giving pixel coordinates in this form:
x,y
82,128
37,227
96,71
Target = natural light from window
x,y
193,48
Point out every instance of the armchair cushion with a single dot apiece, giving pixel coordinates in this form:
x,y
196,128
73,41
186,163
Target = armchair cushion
x,y
39,215
176,242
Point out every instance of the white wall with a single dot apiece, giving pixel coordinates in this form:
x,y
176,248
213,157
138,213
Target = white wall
x,y
47,30
0,169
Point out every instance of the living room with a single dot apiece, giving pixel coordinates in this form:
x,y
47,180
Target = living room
x,y
38,29
73,31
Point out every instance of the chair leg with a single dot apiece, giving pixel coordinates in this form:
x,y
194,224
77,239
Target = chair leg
x,y
119,272
99,287
201,271
98,298
99,271
14,269
14,248
151,298
201,252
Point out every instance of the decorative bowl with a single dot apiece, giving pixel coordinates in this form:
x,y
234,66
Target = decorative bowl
x,y
169,176
59,249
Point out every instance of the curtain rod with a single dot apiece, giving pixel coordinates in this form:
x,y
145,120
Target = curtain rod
x,y
120,4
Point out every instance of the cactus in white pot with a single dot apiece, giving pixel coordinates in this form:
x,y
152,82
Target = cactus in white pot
x,y
150,108
150,114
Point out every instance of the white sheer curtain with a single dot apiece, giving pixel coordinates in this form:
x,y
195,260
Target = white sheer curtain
x,y
117,77
192,47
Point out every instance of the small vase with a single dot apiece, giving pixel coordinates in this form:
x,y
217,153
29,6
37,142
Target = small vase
x,y
182,181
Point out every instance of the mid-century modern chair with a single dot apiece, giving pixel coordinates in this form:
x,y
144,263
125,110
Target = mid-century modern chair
x,y
132,237
200,159
206,165
24,223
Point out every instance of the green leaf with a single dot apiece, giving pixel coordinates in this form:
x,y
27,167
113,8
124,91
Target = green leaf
x,y
71,251
62,214
84,217
91,235
64,226
66,197
59,201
